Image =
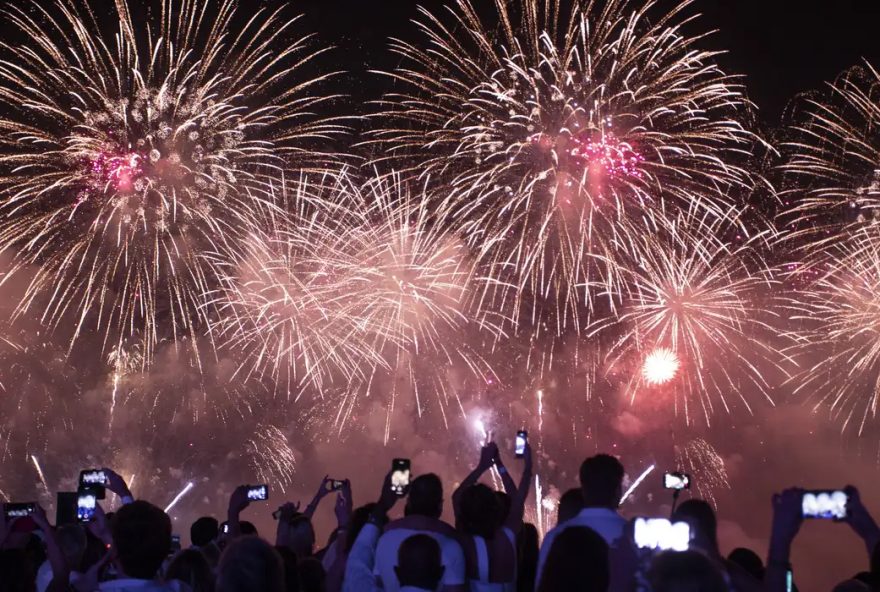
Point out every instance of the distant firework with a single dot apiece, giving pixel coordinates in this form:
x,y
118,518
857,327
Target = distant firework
x,y
700,459
562,137
126,153
838,336
696,319
832,165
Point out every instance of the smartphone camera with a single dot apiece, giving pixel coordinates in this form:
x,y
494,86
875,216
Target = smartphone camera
x,y
19,510
86,502
827,505
676,481
335,484
400,473
258,493
659,534
95,480
519,447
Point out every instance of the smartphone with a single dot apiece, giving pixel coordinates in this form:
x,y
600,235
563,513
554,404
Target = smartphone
x,y
224,528
175,544
661,535
400,472
20,510
828,505
86,501
258,493
65,508
789,581
519,448
335,484
676,481
94,479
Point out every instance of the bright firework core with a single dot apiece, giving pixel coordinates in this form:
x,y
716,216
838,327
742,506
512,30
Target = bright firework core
x,y
661,366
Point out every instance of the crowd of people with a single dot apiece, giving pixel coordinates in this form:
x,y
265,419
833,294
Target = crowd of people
x,y
488,549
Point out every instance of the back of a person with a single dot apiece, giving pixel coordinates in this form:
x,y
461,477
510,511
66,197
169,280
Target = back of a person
x,y
490,550
389,543
688,571
577,562
250,564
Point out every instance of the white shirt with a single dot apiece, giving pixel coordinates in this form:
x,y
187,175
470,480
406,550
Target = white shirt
x,y
607,523
359,567
451,553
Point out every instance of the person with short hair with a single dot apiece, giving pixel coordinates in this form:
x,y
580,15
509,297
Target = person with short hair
x,y
419,564
577,562
686,571
191,567
424,506
204,531
570,505
602,487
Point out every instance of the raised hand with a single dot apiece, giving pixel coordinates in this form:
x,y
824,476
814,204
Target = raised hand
x,y
116,484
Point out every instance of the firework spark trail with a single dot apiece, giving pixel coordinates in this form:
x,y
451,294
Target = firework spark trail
x,y
562,138
838,339
694,320
540,411
40,473
177,497
272,458
126,155
539,508
636,483
705,465
832,165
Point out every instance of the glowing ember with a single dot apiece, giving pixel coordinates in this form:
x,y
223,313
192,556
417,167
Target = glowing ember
x,y
660,366
118,171
616,157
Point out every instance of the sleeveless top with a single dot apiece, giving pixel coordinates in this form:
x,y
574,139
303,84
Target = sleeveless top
x,y
483,584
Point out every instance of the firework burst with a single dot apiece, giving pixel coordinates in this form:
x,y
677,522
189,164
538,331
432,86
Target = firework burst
x,y
696,322
700,459
838,337
125,154
564,135
272,458
832,167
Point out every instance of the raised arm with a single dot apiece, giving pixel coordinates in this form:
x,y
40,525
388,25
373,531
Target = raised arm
x,y
521,493
860,520
238,501
319,495
60,568
787,521
506,479
487,457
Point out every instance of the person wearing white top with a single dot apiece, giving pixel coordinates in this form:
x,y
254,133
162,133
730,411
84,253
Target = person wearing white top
x,y
601,479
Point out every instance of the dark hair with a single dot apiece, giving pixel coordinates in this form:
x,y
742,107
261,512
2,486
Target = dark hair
x,y
527,557
479,511
291,574
570,505
577,562
250,564
311,575
504,504
749,561
425,496
18,574
247,528
685,572
358,519
700,514
141,538
192,568
601,480
203,531
419,562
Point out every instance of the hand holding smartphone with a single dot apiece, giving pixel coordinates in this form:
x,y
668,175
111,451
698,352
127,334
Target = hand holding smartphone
x,y
676,481
257,493
827,504
86,504
95,480
519,448
400,474
659,534
19,510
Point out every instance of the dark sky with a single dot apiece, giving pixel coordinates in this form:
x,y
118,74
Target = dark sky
x,y
783,46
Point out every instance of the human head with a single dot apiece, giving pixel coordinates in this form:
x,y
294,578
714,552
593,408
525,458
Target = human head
x,y
686,571
577,562
749,561
704,526
141,538
250,564
419,563
602,481
570,504
300,535
203,531
192,568
247,528
291,574
425,497
504,504
479,511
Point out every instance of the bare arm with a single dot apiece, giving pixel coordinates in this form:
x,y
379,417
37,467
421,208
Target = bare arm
x,y
322,491
487,455
506,479
60,569
518,505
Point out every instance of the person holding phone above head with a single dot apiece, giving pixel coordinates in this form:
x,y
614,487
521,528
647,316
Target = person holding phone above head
x,y
489,539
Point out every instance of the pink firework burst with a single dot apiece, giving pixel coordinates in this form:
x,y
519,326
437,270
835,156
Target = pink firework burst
x,y
614,156
119,171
